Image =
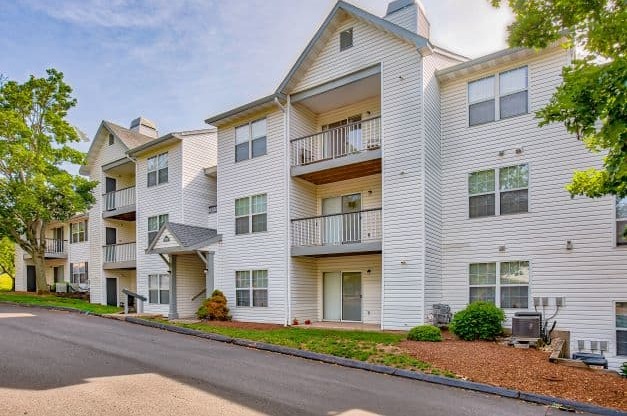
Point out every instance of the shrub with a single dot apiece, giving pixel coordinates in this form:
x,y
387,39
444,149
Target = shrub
x,y
623,369
480,320
425,333
214,308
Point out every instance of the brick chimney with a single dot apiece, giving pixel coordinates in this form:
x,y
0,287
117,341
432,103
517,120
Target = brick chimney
x,y
409,14
144,126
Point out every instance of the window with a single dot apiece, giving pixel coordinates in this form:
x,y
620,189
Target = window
x,y
250,140
78,232
621,328
154,225
79,273
512,93
346,39
511,196
511,289
159,289
158,169
251,286
251,214
621,221
111,139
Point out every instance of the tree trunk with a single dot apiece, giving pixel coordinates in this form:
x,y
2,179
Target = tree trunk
x,y
40,271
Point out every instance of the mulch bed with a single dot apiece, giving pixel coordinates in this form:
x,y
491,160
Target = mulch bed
x,y
520,369
243,325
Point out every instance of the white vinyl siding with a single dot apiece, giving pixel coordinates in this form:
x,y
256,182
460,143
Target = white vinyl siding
x,y
159,289
157,169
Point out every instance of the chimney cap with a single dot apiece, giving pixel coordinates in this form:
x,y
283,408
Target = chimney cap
x,y
397,5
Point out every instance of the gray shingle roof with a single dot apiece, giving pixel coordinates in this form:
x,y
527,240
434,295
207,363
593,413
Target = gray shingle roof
x,y
130,138
189,235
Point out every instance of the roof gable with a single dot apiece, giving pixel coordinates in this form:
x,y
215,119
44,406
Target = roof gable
x,y
180,237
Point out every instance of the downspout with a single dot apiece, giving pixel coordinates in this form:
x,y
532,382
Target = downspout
x,y
288,297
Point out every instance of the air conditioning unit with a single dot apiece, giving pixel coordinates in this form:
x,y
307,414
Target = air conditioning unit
x,y
527,325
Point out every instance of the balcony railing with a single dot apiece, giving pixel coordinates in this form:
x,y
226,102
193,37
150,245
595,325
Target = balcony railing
x,y
55,247
354,227
119,253
338,142
118,199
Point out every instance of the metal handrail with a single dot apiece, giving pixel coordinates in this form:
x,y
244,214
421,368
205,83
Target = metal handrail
x,y
118,253
119,198
54,246
345,228
202,292
351,124
334,215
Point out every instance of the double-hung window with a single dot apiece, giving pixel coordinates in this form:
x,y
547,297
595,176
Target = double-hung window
x,y
621,328
158,169
251,288
78,232
154,225
510,197
621,221
506,284
159,288
511,87
251,214
79,273
250,140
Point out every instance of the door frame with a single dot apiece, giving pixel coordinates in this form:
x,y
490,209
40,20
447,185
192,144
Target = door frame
x,y
361,296
117,292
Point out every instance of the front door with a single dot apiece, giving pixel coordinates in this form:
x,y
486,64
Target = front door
x,y
341,296
110,240
110,188
112,291
31,279
58,274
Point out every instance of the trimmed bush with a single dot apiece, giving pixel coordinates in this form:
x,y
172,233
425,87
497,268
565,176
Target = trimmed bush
x,y
425,333
623,370
480,320
214,308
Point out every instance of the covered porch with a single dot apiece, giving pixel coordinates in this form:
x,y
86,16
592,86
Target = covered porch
x,y
189,253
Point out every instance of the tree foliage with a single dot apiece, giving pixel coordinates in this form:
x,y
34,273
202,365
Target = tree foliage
x,y
7,258
591,101
35,141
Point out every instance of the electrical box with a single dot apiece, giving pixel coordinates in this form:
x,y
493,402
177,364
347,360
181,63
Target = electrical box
x,y
545,301
537,302
559,301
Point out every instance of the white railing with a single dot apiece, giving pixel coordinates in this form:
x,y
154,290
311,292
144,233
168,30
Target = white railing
x,y
118,199
54,246
337,142
118,253
354,227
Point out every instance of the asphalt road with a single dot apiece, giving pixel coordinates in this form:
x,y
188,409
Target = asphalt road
x,y
58,363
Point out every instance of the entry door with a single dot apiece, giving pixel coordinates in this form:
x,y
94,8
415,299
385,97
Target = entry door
x,y
110,188
59,274
112,292
341,296
31,281
351,296
111,237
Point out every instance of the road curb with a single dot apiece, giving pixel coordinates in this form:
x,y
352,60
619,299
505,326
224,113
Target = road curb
x,y
383,369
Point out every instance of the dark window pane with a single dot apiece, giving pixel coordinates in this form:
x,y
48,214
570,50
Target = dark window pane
x,y
481,206
260,223
153,296
241,152
621,230
346,39
260,297
514,202
621,342
259,147
485,294
151,236
152,178
242,297
165,297
513,104
163,175
481,113
241,225
515,297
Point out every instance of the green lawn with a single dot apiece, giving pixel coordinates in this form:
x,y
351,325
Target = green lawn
x,y
6,283
52,300
374,347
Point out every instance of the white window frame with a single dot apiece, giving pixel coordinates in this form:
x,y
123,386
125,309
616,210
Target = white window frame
x,y
251,289
159,289
497,96
251,139
156,170
617,328
161,219
618,220
75,278
251,213
78,232
497,190
497,285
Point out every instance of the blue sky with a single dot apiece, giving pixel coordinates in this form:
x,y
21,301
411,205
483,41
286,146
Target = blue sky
x,y
177,62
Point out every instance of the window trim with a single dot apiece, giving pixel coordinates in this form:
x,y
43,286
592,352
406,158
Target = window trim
x,y
159,223
618,244
251,139
250,214
78,233
497,191
497,286
85,272
159,276
497,96
157,170
111,139
352,34
251,289
616,328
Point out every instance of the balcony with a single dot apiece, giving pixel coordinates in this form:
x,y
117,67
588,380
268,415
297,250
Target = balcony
x,y
119,204
345,152
119,256
337,234
54,249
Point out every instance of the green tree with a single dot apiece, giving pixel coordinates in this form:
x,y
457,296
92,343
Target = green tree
x,y
35,142
7,259
592,99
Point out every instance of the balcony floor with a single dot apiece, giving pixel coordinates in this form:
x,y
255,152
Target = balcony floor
x,y
333,170
126,213
129,265
373,247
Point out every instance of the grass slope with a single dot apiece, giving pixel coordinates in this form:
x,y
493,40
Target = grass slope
x,y
52,300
